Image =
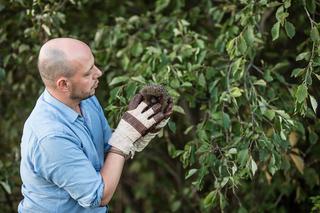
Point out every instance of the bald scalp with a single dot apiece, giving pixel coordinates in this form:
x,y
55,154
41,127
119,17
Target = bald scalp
x,y
53,65
57,58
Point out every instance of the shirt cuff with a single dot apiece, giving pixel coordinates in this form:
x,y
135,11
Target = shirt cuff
x,y
99,194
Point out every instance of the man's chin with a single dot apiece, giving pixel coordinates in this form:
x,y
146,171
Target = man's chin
x,y
89,95
84,97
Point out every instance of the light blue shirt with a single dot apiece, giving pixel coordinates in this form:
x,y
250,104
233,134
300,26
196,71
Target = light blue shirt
x,y
62,153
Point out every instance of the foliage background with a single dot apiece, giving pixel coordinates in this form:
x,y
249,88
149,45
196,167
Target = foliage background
x,y
244,76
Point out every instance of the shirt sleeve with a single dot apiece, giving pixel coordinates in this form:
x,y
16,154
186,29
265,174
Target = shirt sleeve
x,y
60,160
107,135
106,128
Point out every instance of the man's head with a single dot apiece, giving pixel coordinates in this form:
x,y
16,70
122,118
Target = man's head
x,y
67,67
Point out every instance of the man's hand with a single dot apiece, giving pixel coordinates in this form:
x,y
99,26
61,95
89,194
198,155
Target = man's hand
x,y
134,124
142,142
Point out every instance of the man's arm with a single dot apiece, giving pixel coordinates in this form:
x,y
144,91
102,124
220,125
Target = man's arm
x,y
111,173
59,159
133,125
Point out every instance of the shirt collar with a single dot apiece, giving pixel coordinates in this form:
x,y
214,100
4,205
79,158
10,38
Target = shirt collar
x,y
69,113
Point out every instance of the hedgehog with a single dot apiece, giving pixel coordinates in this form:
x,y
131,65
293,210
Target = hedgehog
x,y
155,93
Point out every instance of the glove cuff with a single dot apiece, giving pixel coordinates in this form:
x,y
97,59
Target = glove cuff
x,y
123,137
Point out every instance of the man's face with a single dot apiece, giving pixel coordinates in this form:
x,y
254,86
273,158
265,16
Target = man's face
x,y
85,80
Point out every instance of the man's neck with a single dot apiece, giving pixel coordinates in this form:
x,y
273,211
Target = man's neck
x,y
73,104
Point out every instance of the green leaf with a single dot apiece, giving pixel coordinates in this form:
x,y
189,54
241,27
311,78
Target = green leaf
x,y
304,55
302,93
290,29
172,126
243,156
23,48
242,209
185,22
191,172
6,60
125,61
242,45
137,49
98,36
225,120
186,51
153,50
188,130
179,109
2,74
232,151
311,5
260,83
312,179
249,35
230,48
224,181
131,89
274,4
254,166
314,34
234,169
287,4
210,199
279,12
118,79
161,4
175,83
110,108
202,134
313,137
297,72
202,80
186,84
6,186
175,206
235,66
236,92
139,79
298,162
46,29
176,32
269,113
281,15
316,61
318,76
115,92
314,103
283,114
275,31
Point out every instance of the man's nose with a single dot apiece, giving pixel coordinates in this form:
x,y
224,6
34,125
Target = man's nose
x,y
98,72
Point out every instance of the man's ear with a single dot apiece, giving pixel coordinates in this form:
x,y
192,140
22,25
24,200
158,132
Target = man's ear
x,y
63,84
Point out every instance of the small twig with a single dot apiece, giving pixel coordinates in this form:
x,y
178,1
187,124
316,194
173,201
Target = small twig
x,y
258,69
278,200
310,19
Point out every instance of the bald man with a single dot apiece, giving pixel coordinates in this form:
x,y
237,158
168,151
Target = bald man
x,y
66,137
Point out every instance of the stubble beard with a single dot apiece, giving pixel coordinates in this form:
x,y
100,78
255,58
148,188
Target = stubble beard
x,y
80,97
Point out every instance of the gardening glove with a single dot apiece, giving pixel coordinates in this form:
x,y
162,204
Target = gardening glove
x,y
134,124
141,143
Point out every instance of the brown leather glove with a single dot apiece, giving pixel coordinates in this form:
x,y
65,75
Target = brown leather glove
x,y
134,124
